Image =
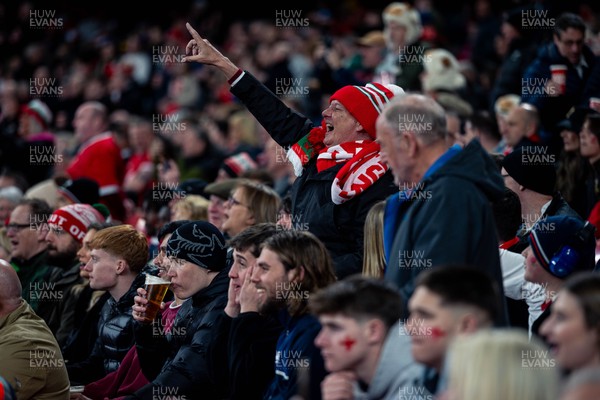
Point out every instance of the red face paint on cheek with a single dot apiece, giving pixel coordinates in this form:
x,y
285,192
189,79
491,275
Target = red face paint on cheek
x,y
348,343
437,333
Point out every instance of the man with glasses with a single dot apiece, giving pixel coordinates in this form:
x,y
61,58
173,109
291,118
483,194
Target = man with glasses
x,y
27,231
538,87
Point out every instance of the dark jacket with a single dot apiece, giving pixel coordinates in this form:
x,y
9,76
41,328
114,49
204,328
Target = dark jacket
x,y
508,78
34,275
449,220
299,366
115,338
80,342
553,109
558,206
241,355
339,227
59,313
176,363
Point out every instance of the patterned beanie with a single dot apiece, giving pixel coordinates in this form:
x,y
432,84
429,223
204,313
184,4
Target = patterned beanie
x,y
200,243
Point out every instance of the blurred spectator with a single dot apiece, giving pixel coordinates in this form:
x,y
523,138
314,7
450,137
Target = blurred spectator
x,y
374,258
503,105
582,384
99,156
403,61
191,207
5,245
273,159
37,152
248,204
443,80
571,329
499,359
483,127
590,150
235,165
520,52
9,198
139,168
450,301
568,49
522,126
572,169
32,362
78,191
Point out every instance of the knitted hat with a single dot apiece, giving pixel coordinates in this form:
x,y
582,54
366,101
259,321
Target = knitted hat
x,y
75,219
366,102
523,168
38,110
200,243
563,236
82,190
237,164
442,71
405,15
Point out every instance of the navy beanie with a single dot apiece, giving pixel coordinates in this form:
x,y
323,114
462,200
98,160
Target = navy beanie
x,y
200,243
550,235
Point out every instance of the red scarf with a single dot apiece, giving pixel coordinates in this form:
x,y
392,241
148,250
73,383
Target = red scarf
x,y
363,165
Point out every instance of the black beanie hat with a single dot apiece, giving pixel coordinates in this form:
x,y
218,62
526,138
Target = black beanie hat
x,y
200,243
81,190
533,168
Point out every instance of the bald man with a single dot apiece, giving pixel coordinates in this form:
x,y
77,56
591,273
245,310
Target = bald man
x,y
31,359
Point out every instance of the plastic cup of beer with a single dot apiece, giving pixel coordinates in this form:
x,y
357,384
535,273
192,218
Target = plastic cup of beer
x,y
559,76
595,103
156,289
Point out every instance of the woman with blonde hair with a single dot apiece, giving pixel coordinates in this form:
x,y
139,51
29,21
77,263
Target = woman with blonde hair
x,y
192,207
500,364
374,257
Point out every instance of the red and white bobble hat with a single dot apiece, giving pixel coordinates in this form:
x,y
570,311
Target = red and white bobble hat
x,y
76,219
366,102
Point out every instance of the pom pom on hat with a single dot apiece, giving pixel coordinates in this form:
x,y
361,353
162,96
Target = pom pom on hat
x,y
366,102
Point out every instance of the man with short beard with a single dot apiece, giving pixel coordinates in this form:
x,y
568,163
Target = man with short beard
x,y
67,228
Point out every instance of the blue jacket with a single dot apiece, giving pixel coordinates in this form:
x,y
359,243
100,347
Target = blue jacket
x,y
299,366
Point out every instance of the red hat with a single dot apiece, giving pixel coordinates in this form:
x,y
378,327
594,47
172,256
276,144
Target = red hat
x,y
38,110
75,219
366,102
237,164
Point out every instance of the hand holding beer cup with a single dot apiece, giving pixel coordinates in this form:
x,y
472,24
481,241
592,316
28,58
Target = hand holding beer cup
x,y
150,299
558,73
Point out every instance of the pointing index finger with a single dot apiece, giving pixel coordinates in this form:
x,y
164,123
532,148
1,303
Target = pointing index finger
x,y
192,31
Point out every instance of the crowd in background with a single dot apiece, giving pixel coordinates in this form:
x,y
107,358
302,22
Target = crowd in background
x,y
129,148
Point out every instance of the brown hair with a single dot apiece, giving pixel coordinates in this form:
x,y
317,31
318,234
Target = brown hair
x,y
261,200
297,249
125,242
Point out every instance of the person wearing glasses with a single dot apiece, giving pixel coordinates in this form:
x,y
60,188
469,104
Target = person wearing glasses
x,y
538,88
29,249
249,203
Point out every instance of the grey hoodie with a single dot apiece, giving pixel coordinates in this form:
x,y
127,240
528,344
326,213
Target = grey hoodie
x,y
397,374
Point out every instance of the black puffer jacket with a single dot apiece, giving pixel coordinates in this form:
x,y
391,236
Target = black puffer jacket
x,y
339,227
115,338
176,363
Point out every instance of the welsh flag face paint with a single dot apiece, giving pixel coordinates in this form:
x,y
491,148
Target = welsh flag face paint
x,y
348,343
